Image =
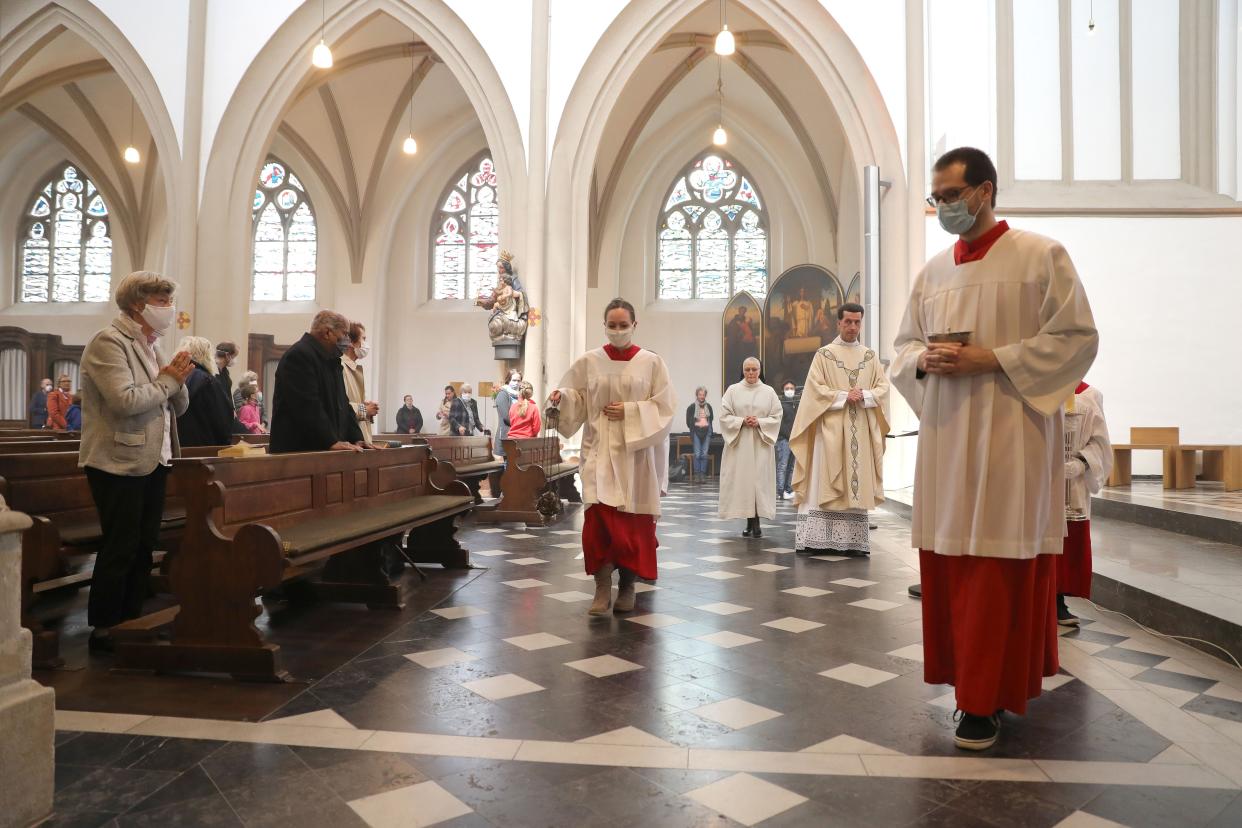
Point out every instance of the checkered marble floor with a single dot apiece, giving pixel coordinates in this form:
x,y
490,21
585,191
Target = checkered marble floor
x,y
750,686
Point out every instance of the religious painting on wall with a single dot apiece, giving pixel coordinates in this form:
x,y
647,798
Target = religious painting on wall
x,y
743,336
800,318
854,292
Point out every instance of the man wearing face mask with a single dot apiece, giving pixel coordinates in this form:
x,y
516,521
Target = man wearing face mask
x,y
784,460
312,411
130,402
226,356
38,404
473,424
364,410
998,333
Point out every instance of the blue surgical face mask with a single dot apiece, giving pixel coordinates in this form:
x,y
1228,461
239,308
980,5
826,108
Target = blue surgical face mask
x,y
956,217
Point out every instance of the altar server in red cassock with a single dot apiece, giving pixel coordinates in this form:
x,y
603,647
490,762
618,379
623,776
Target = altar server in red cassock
x,y
1088,462
989,488
620,396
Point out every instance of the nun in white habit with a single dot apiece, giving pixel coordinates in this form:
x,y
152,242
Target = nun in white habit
x,y
750,422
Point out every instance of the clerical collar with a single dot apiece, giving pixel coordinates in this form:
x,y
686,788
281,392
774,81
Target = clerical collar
x,y
965,251
619,355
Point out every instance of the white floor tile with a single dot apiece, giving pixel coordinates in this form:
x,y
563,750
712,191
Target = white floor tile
x,y
570,597
717,558
580,576
728,639
630,736
566,532
855,582
793,625
720,575
97,722
1175,666
1221,690
807,592
493,530
913,653
1125,668
723,608
1173,695
417,806
489,553
526,561
1082,819
1051,683
657,620
716,531
948,701
746,799
677,534
641,588
1088,647
859,674
831,558
877,604
453,613
603,666
735,713
778,550
521,536
318,718
672,565
537,641
501,687
718,541
525,583
440,658
766,567
1173,755
845,744
570,545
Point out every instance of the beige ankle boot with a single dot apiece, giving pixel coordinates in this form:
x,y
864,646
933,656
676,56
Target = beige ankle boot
x,y
625,594
603,590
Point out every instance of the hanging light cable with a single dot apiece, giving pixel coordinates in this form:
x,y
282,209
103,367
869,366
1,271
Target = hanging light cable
x,y
724,40
130,154
321,57
1091,18
719,137
409,146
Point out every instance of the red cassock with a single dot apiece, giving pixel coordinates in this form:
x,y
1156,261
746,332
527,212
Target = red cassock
x,y
989,628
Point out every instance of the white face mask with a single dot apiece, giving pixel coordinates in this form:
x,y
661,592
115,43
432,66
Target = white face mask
x,y
159,318
47,387
789,392
620,338
514,384
465,397
361,351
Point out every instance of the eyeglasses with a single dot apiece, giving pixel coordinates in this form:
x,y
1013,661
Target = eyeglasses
x,y
948,196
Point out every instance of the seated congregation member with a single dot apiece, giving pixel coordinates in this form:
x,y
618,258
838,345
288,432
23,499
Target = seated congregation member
x,y
248,414
1085,472
364,410
130,402
209,419
73,417
524,419
472,409
312,412
750,417
409,418
699,419
619,395
226,355
58,402
38,403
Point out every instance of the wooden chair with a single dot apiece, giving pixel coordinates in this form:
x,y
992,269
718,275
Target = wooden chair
x,y
685,452
1179,466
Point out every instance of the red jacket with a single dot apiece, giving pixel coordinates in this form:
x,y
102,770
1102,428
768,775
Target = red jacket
x,y
58,403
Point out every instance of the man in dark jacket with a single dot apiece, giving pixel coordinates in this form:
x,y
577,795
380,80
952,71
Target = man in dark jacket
x,y
38,403
311,411
226,355
784,459
409,418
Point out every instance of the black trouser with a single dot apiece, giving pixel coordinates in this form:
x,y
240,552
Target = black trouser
x,y
130,510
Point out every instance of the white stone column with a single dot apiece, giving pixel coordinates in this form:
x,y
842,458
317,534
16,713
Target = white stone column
x,y
534,271
27,709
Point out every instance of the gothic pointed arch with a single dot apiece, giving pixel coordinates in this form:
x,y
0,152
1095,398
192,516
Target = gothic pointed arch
x,y
285,235
64,244
465,231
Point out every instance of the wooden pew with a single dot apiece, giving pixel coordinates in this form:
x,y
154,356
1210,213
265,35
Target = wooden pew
x,y
534,466
256,523
468,459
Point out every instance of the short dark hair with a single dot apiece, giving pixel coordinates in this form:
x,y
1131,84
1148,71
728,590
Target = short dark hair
x,y
226,348
849,307
356,330
979,168
620,303
789,382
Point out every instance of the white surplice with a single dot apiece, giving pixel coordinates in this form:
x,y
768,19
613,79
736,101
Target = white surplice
x,y
624,462
990,475
1093,447
748,467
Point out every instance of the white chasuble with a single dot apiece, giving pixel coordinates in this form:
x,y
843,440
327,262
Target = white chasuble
x,y
624,462
990,475
839,445
748,468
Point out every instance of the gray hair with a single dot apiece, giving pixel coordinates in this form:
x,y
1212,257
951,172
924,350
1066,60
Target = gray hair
x,y
139,285
702,388
200,350
327,320
466,388
749,360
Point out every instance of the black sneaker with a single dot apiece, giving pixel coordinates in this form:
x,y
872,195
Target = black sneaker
x,y
915,590
1065,618
975,732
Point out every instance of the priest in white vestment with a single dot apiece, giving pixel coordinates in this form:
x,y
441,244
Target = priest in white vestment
x,y
989,487
750,418
1088,462
620,396
838,440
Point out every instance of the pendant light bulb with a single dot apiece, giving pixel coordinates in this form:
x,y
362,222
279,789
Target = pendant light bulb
x,y
409,146
725,44
131,155
321,57
720,137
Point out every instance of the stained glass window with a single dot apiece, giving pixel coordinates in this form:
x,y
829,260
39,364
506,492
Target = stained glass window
x,y
465,233
712,240
66,253
286,239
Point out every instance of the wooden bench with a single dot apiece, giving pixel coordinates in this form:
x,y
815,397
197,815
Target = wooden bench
x,y
1177,468
256,523
534,466
468,459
